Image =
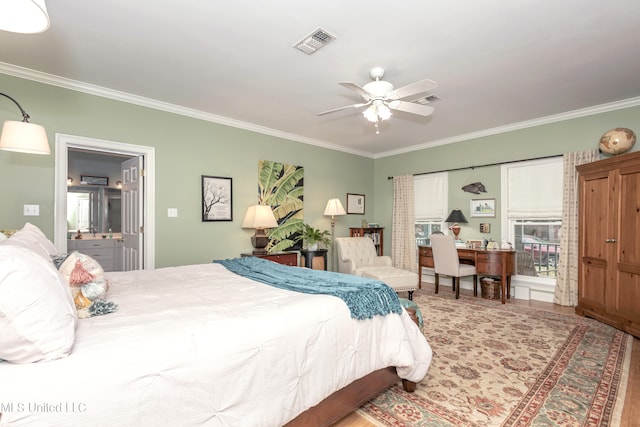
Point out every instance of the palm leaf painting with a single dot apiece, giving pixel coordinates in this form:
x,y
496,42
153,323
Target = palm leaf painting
x,y
281,186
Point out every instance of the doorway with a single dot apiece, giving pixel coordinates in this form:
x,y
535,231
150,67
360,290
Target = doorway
x,y
65,143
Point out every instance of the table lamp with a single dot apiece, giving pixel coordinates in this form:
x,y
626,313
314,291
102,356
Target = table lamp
x,y
259,217
456,216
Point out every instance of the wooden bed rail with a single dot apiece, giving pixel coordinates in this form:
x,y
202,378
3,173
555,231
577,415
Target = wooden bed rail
x,y
350,398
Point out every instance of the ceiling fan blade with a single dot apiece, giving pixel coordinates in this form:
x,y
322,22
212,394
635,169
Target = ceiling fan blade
x,y
343,108
410,107
363,93
411,89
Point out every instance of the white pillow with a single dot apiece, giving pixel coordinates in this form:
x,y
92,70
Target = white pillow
x,y
42,239
3,237
37,314
32,238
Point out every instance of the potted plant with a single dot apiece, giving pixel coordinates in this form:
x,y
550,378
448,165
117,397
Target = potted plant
x,y
312,236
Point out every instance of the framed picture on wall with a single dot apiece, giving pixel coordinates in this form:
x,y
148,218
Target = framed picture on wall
x,y
485,227
216,198
94,180
483,208
355,204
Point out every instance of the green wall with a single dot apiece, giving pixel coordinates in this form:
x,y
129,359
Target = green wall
x,y
186,148
540,141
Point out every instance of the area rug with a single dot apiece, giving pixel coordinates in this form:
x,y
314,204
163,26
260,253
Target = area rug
x,y
508,365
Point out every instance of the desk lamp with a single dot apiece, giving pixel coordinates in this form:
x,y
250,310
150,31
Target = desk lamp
x,y
456,216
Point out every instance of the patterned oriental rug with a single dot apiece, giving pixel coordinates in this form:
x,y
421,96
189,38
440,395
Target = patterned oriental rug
x,y
506,365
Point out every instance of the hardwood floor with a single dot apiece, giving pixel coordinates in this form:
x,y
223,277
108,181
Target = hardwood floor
x,y
631,410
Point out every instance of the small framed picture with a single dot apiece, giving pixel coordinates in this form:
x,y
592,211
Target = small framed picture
x,y
216,198
94,180
483,208
355,204
485,227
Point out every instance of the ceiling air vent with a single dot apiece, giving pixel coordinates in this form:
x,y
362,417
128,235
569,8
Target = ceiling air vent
x,y
314,41
426,99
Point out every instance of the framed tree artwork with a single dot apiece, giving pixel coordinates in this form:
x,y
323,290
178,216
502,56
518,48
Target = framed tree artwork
x,y
216,199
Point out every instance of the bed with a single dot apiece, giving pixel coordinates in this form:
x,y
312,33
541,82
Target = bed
x,y
201,345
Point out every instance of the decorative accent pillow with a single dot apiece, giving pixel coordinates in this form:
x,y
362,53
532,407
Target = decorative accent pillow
x,y
88,285
37,314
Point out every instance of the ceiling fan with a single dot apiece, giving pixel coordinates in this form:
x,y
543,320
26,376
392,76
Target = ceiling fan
x,y
381,97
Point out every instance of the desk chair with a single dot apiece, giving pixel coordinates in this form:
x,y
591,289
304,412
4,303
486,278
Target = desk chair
x,y
446,261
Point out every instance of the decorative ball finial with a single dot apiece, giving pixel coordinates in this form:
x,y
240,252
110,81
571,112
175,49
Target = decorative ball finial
x,y
617,141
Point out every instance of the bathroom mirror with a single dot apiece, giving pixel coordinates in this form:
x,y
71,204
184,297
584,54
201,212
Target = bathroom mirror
x,y
93,209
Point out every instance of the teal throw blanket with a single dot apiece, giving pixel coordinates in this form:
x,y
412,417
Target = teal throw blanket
x,y
364,297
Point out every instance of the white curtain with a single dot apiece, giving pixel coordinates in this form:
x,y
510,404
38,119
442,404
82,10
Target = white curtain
x,y
403,243
566,292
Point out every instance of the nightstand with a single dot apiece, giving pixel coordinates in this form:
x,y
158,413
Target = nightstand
x,y
316,260
286,258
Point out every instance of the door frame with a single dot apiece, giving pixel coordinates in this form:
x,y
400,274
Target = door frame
x,y
62,144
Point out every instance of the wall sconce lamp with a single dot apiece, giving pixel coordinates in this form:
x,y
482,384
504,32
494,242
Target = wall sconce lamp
x,y
333,208
23,137
259,217
69,181
24,16
456,216
119,185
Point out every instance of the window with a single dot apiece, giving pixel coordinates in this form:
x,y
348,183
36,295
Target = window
x,y
532,210
431,193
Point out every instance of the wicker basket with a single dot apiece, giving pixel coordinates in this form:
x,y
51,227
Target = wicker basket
x,y
490,288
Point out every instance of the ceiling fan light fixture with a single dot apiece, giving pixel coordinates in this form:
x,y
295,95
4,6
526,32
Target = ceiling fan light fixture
x,y
371,114
377,111
384,112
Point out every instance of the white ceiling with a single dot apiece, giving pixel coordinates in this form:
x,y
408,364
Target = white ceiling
x,y
496,62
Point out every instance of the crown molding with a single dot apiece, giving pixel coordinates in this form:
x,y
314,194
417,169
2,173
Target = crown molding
x,y
53,80
90,89
583,112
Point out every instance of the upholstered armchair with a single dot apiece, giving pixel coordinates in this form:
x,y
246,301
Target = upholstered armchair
x,y
358,256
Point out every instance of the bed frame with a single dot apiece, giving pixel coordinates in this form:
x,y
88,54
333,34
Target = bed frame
x,y
351,397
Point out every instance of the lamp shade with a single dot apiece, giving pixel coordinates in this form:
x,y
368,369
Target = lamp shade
x,y
334,207
259,216
24,16
456,215
24,137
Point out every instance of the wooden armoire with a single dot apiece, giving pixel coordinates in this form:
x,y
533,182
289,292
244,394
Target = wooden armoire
x,y
609,242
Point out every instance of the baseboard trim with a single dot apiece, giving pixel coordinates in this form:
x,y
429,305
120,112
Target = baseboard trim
x,y
522,287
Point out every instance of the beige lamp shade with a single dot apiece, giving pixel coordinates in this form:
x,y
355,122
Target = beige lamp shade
x,y
24,137
24,16
259,216
334,207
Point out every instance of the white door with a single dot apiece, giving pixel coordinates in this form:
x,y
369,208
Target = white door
x,y
132,214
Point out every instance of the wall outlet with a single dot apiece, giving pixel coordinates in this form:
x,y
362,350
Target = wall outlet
x,y
172,213
31,210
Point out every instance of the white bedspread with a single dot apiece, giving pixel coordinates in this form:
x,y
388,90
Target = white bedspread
x,y
198,345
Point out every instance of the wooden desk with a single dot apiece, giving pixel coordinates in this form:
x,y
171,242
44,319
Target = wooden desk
x,y
492,262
